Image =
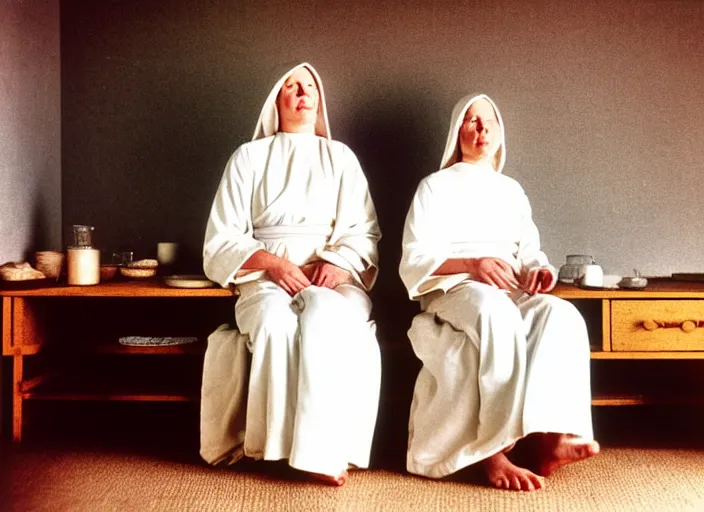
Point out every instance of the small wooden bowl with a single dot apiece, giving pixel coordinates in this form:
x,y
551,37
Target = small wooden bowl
x,y
107,272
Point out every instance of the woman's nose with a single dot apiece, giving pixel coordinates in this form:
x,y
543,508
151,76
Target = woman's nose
x,y
300,90
481,127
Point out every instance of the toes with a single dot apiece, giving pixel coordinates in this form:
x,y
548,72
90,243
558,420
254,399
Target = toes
x,y
526,484
587,450
530,482
336,481
342,479
535,481
594,448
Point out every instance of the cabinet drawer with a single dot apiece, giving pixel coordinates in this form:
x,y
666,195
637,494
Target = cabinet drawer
x,y
657,325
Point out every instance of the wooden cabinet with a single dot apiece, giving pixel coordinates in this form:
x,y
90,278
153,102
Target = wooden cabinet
x,y
64,342
646,344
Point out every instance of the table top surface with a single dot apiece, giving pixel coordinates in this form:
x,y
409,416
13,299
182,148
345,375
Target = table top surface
x,y
657,288
153,287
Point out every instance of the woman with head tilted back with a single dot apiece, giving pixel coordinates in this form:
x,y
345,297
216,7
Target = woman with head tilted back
x,y
503,363
294,229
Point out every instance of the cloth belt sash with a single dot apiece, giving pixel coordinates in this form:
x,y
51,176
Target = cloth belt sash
x,y
297,243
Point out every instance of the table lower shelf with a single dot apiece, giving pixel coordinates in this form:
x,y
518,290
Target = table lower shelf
x,y
59,388
614,400
109,396
138,378
106,376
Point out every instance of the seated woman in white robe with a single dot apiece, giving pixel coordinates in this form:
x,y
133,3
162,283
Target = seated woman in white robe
x,y
294,229
502,361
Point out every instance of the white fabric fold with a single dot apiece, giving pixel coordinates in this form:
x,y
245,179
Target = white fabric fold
x,y
496,368
223,396
297,196
314,378
467,211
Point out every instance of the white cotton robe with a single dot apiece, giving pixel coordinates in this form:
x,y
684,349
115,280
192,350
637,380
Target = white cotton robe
x,y
497,366
314,377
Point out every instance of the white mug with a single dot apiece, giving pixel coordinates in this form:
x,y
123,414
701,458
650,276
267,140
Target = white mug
x,y
593,275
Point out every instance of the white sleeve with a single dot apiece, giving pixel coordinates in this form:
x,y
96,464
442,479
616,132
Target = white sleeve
x,y
229,240
425,248
353,243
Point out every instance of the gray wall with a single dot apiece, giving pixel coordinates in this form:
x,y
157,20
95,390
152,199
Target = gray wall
x,y
30,128
603,101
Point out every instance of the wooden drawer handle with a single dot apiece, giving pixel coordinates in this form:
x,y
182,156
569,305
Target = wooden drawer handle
x,y
686,326
650,325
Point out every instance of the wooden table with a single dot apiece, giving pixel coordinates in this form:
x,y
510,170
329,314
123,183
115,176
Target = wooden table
x,y
64,341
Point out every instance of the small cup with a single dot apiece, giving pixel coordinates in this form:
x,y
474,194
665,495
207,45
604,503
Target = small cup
x,y
166,253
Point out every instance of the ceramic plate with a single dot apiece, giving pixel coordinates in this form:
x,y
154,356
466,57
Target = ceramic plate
x,y
188,281
149,341
587,287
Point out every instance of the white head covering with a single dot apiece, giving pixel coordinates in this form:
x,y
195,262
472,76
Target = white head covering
x,y
451,154
268,123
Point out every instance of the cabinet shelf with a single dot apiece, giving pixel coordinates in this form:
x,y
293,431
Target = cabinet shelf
x,y
646,399
114,396
109,380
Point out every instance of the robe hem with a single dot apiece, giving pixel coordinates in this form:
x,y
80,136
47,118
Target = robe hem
x,y
442,469
306,466
448,467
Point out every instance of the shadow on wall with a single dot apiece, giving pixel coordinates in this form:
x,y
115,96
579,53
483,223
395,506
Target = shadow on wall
x,y
41,239
396,148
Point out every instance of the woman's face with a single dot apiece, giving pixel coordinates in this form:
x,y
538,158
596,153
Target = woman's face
x,y
480,134
298,102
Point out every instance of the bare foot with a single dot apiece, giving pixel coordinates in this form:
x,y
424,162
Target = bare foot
x,y
503,474
335,481
556,450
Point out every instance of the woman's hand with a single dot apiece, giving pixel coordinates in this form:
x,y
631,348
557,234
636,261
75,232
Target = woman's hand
x,y
495,272
328,275
538,281
288,276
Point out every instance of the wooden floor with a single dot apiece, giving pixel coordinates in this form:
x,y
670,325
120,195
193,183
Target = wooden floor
x,y
85,456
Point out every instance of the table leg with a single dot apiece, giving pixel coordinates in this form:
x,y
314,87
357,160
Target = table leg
x,y
17,375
